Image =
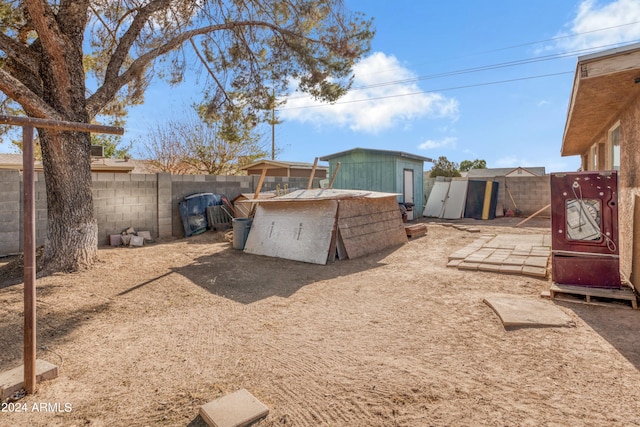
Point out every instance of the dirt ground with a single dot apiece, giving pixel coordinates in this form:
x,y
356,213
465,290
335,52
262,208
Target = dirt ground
x,y
392,339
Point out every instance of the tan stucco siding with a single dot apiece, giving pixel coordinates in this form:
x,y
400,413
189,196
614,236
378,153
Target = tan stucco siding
x,y
629,184
630,191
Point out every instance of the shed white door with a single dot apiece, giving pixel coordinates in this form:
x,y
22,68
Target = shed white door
x,y
407,189
456,199
435,204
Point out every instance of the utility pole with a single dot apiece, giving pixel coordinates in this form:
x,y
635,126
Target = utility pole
x,y
273,130
273,122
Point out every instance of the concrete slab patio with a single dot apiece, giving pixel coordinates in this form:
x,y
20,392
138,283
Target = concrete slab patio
x,y
526,254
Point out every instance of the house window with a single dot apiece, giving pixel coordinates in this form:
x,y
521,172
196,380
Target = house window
x,y
594,157
614,142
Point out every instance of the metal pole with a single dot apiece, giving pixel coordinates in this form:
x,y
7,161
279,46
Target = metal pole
x,y
29,250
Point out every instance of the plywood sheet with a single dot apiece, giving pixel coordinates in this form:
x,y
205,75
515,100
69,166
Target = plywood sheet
x,y
367,226
435,203
456,199
298,230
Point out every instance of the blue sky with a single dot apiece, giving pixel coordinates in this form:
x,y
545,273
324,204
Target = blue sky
x,y
458,78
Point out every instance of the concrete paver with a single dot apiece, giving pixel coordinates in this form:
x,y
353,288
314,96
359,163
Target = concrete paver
x,y
515,312
526,254
237,409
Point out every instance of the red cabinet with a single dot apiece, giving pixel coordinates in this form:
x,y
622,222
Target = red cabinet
x,y
584,229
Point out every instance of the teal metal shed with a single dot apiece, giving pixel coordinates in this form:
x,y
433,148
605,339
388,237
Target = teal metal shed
x,y
381,170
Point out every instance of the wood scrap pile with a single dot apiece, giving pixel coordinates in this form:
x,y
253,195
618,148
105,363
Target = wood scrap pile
x,y
321,225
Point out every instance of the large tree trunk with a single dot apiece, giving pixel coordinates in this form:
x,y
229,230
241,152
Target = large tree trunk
x,y
72,232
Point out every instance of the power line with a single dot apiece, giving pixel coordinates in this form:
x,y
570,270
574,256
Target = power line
x,y
432,91
477,69
487,67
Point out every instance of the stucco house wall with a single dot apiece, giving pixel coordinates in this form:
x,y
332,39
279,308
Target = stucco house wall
x,y
597,154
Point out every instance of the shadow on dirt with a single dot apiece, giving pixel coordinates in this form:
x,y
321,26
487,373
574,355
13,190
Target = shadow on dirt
x,y
618,326
247,278
52,327
198,422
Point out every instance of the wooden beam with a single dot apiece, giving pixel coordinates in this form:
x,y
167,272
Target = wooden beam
x,y
335,173
260,181
29,226
313,172
532,215
29,248
258,188
59,125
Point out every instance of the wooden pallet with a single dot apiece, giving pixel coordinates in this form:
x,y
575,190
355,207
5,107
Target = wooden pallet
x,y
415,230
594,296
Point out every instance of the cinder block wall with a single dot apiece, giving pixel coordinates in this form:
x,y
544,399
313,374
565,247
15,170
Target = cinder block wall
x,y
144,202
530,193
122,200
10,211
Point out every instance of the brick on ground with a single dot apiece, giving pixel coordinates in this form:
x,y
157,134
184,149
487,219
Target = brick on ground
x,y
465,265
534,271
534,261
511,269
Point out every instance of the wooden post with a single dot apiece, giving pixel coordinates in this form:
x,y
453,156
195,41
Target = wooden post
x,y
260,181
29,226
335,173
257,193
313,172
29,248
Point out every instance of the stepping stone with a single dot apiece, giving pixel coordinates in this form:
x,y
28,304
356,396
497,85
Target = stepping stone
x,y
237,409
517,312
494,268
511,269
454,262
534,271
13,380
465,265
534,261
515,260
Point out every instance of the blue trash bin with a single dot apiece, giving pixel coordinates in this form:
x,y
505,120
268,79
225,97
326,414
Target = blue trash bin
x,y
241,227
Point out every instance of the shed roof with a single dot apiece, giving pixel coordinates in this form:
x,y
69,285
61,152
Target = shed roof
x,y
14,161
322,194
491,172
603,84
375,151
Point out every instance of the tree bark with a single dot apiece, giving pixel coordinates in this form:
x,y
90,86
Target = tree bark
x,y
72,232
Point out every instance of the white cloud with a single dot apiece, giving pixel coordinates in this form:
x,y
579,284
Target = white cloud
x,y
599,26
429,144
374,105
